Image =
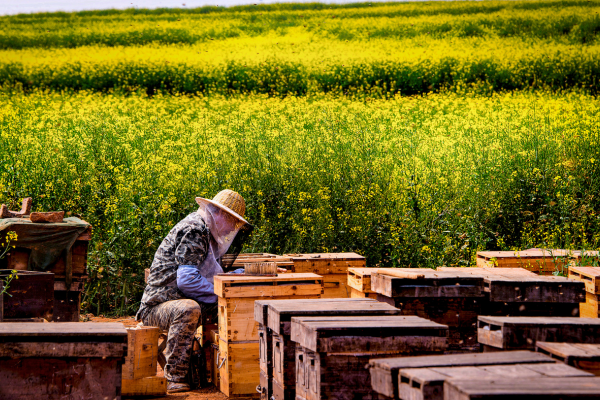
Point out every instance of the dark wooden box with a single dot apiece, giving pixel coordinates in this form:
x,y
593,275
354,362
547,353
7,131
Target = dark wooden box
x,y
31,295
59,361
335,351
277,314
547,388
511,333
584,356
391,377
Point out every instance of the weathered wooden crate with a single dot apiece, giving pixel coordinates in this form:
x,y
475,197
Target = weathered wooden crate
x,y
67,360
142,352
31,295
332,266
239,372
239,330
336,350
538,261
359,281
539,388
584,356
278,313
386,372
588,275
69,278
428,383
237,294
453,298
216,361
511,333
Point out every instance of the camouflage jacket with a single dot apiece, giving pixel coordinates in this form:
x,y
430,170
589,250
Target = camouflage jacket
x,y
186,244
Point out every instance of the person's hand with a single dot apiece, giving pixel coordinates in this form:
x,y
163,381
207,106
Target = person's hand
x,y
281,270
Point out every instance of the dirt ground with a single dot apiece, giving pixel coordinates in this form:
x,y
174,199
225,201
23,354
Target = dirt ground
x,y
210,393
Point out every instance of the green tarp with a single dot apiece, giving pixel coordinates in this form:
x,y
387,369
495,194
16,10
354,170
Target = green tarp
x,y
47,241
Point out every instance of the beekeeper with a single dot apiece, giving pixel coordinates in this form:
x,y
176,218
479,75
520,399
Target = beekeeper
x,y
180,290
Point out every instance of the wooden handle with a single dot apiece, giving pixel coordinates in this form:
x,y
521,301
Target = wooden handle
x,y
402,274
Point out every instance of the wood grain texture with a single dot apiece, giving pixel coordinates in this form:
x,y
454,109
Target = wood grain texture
x,y
142,352
385,372
280,313
148,386
335,286
590,276
368,333
584,356
29,296
542,388
524,332
67,330
239,286
326,263
240,372
58,350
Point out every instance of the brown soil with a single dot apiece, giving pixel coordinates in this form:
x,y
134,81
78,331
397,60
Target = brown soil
x,y
211,393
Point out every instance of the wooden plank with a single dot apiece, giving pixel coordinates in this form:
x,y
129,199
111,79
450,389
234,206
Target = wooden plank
x,y
142,352
240,372
546,388
266,386
523,332
433,284
548,289
355,294
385,372
326,263
368,334
428,383
238,286
281,311
147,386
67,305
335,286
104,330
580,355
57,350
265,341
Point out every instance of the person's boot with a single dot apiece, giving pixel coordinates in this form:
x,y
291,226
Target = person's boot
x,y
176,387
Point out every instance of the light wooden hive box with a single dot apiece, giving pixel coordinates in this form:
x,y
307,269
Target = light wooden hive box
x,y
278,351
332,353
538,261
239,331
332,266
423,378
140,368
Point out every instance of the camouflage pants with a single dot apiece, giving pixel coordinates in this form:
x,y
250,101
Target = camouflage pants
x,y
181,318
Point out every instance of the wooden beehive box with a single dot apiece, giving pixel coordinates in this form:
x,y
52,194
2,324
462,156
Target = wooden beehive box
x,y
278,317
518,292
428,383
239,340
69,278
538,261
67,360
359,281
139,370
548,388
453,298
511,333
590,276
31,295
584,356
332,266
386,372
336,350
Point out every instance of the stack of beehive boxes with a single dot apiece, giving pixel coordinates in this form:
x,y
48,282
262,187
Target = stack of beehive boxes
x,y
239,341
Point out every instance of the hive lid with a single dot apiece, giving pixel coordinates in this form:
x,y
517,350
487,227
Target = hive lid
x,y
63,331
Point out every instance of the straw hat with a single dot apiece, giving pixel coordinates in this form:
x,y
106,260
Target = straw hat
x,y
227,200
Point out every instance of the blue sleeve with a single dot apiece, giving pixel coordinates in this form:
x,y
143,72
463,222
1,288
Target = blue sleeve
x,y
194,285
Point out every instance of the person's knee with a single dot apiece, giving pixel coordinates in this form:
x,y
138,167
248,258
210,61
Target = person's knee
x,y
189,310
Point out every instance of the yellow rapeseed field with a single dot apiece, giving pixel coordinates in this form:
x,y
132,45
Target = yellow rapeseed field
x,y
413,133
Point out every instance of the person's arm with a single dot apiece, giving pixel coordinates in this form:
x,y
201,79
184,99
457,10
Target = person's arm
x,y
194,285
